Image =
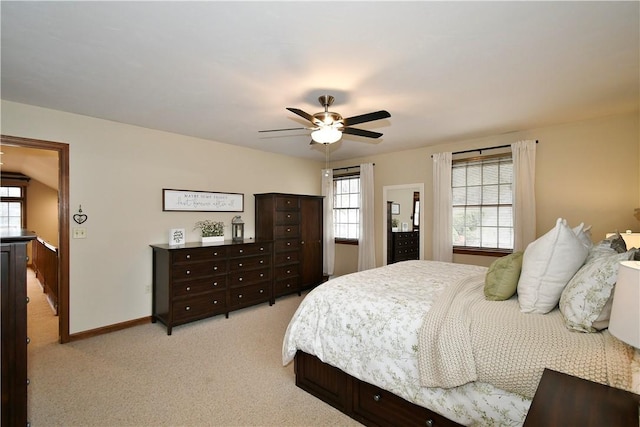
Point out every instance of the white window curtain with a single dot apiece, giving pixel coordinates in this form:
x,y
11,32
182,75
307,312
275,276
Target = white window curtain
x,y
329,243
366,243
442,208
524,196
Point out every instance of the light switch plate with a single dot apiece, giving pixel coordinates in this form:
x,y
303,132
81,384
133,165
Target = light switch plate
x,y
79,233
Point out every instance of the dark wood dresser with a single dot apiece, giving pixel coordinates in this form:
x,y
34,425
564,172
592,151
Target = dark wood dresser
x,y
405,245
195,281
294,223
13,272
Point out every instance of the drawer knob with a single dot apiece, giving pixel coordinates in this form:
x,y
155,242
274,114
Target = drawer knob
x,y
288,285
240,296
261,274
188,288
215,254
377,397
28,340
215,301
288,229
261,261
215,268
429,423
188,256
288,258
28,381
188,271
261,291
27,300
241,251
215,283
302,242
239,279
262,249
239,264
187,308
288,215
288,243
288,271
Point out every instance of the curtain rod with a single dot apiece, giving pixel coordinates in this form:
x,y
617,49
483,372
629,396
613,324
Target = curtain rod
x,y
348,167
480,150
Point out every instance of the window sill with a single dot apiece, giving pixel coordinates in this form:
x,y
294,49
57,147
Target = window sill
x,y
346,242
481,251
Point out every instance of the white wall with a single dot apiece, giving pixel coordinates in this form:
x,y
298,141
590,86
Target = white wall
x,y
117,173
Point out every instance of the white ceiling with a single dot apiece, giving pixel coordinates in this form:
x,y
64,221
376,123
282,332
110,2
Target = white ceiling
x,y
222,71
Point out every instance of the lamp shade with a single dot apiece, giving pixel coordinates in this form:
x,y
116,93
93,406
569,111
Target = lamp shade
x,y
326,135
624,323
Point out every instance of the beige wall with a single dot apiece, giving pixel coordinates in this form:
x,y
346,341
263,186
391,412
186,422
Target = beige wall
x,y
586,171
117,173
42,211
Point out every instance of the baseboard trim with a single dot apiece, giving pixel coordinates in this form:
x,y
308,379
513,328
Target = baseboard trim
x,y
107,329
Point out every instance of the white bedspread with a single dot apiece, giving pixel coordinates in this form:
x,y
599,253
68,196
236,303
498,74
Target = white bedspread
x,y
367,324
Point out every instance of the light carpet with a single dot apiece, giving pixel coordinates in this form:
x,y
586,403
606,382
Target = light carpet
x,y
214,372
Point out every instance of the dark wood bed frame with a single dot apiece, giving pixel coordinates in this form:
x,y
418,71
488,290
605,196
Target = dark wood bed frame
x,y
365,403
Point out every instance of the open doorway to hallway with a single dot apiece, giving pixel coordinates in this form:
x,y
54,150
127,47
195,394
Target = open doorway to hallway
x,y
62,151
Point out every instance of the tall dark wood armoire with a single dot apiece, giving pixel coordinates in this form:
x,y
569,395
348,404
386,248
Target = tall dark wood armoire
x,y
295,224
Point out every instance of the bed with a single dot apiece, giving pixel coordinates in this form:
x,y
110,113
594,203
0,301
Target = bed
x,y
359,343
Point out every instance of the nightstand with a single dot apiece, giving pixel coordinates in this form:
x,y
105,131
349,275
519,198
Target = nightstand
x,y
565,400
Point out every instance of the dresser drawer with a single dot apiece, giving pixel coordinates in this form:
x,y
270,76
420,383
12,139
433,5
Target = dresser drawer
x,y
193,287
198,254
285,271
242,278
252,294
384,408
251,249
287,245
249,263
287,217
287,203
287,231
200,306
287,257
286,286
198,269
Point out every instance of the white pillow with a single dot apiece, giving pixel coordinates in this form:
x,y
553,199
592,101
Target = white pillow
x,y
584,234
584,300
547,266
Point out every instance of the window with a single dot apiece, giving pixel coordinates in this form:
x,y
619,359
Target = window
x,y
482,203
12,207
346,208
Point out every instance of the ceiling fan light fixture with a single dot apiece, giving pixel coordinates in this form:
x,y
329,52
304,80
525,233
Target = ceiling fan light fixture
x,y
326,135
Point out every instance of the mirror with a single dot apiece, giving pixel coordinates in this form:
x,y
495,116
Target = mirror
x,y
402,195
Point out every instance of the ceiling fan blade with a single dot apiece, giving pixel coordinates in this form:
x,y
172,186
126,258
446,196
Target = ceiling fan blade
x,y
278,130
303,114
362,132
369,117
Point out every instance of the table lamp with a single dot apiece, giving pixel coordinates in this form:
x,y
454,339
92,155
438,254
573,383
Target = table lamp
x,y
624,323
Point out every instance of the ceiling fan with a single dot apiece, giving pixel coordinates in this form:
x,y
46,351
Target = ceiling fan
x,y
328,127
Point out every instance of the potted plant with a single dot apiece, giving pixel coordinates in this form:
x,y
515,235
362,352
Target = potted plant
x,y
210,231
394,224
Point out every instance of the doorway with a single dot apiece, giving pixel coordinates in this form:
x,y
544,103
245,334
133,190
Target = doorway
x,y
63,222
387,193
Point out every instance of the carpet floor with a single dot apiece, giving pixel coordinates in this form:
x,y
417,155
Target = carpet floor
x,y
214,372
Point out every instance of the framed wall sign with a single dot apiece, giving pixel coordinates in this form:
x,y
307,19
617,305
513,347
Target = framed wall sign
x,y
201,201
395,208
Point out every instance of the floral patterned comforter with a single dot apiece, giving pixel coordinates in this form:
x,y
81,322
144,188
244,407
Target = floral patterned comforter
x,y
367,324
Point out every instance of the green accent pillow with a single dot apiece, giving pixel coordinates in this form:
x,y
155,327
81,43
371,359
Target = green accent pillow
x,y
502,278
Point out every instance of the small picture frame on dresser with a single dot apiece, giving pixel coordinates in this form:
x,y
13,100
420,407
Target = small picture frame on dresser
x,y
177,237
